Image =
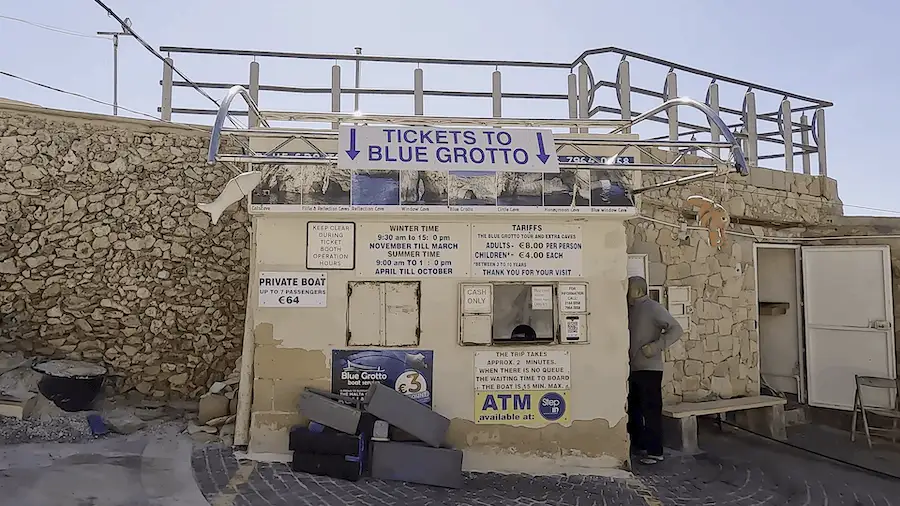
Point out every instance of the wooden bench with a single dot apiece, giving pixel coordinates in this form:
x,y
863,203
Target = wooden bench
x,y
762,414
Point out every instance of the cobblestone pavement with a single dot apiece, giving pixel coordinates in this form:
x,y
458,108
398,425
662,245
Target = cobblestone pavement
x,y
736,470
740,469
225,481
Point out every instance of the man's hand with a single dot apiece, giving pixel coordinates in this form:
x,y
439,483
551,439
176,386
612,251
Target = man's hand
x,y
648,350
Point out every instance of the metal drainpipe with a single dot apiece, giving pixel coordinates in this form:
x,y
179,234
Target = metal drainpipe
x,y
245,387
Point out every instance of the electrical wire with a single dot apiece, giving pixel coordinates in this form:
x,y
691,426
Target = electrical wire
x,y
127,28
85,97
101,102
230,165
55,28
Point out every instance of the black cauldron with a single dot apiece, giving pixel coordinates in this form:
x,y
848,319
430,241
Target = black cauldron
x,y
69,384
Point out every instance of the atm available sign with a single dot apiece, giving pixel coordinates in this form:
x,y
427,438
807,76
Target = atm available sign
x,y
535,408
522,387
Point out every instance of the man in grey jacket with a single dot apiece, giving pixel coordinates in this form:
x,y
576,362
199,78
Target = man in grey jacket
x,y
651,329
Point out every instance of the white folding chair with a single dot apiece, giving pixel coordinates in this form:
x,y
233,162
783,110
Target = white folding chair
x,y
860,407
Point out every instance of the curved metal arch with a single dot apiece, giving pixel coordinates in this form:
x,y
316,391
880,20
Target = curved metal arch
x,y
740,162
216,137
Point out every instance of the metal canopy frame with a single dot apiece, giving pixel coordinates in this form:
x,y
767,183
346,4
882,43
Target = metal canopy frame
x,y
576,139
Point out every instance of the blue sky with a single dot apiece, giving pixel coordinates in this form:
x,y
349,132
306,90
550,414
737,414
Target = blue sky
x,y
843,52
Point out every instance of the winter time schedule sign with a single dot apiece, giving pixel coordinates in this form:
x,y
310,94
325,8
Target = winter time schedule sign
x,y
446,148
412,250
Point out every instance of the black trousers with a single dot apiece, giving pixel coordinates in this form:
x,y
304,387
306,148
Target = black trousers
x,y
645,411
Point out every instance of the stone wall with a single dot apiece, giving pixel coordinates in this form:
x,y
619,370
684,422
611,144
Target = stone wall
x,y
719,355
104,257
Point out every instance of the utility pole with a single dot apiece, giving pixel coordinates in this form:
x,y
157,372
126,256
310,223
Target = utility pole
x,y
115,39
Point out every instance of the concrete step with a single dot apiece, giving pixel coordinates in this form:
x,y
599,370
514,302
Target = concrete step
x,y
17,407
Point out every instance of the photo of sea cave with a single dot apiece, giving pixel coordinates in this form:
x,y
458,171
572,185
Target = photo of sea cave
x,y
424,188
310,185
568,188
520,189
609,188
473,188
375,188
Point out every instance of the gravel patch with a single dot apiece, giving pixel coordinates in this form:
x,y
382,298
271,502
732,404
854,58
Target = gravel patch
x,y
64,428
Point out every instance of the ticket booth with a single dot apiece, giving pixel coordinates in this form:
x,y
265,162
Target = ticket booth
x,y
480,270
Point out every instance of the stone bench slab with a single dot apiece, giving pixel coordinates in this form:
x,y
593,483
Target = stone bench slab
x,y
686,409
763,414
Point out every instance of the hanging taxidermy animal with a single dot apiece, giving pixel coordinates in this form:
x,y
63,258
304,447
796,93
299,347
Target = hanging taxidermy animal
x,y
712,217
239,187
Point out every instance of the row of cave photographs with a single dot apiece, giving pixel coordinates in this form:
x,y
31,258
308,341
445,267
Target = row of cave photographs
x,y
286,185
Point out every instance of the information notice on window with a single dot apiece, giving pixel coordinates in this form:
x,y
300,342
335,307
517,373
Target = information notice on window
x,y
412,250
526,250
522,387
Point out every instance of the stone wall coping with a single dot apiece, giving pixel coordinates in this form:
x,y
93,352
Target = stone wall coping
x,y
759,177
96,119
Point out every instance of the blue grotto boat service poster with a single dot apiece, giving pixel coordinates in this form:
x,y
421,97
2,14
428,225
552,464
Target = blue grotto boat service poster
x,y
409,372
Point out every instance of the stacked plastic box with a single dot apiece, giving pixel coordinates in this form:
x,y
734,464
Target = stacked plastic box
x,y
338,441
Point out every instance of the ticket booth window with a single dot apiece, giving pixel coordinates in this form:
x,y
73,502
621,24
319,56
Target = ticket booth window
x,y
523,313
509,313
383,313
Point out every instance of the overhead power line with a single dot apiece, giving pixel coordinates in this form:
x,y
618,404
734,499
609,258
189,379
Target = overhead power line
x,y
72,93
54,28
127,28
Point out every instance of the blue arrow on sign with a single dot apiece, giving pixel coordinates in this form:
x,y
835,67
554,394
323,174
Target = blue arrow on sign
x,y
352,152
542,155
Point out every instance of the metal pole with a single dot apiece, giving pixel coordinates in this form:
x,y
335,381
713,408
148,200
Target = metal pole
x,y
254,94
335,92
712,94
584,92
356,95
116,74
115,39
496,94
573,100
820,141
804,140
419,92
787,125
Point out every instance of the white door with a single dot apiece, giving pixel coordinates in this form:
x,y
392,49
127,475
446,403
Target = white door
x,y
849,314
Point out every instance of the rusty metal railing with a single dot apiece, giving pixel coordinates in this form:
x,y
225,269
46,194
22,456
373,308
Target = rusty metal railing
x,y
776,137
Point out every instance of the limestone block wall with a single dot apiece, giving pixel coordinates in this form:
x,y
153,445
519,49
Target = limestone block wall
x,y
104,257
719,355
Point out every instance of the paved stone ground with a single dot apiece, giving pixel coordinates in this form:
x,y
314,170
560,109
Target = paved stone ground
x,y
737,470
225,482
137,470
